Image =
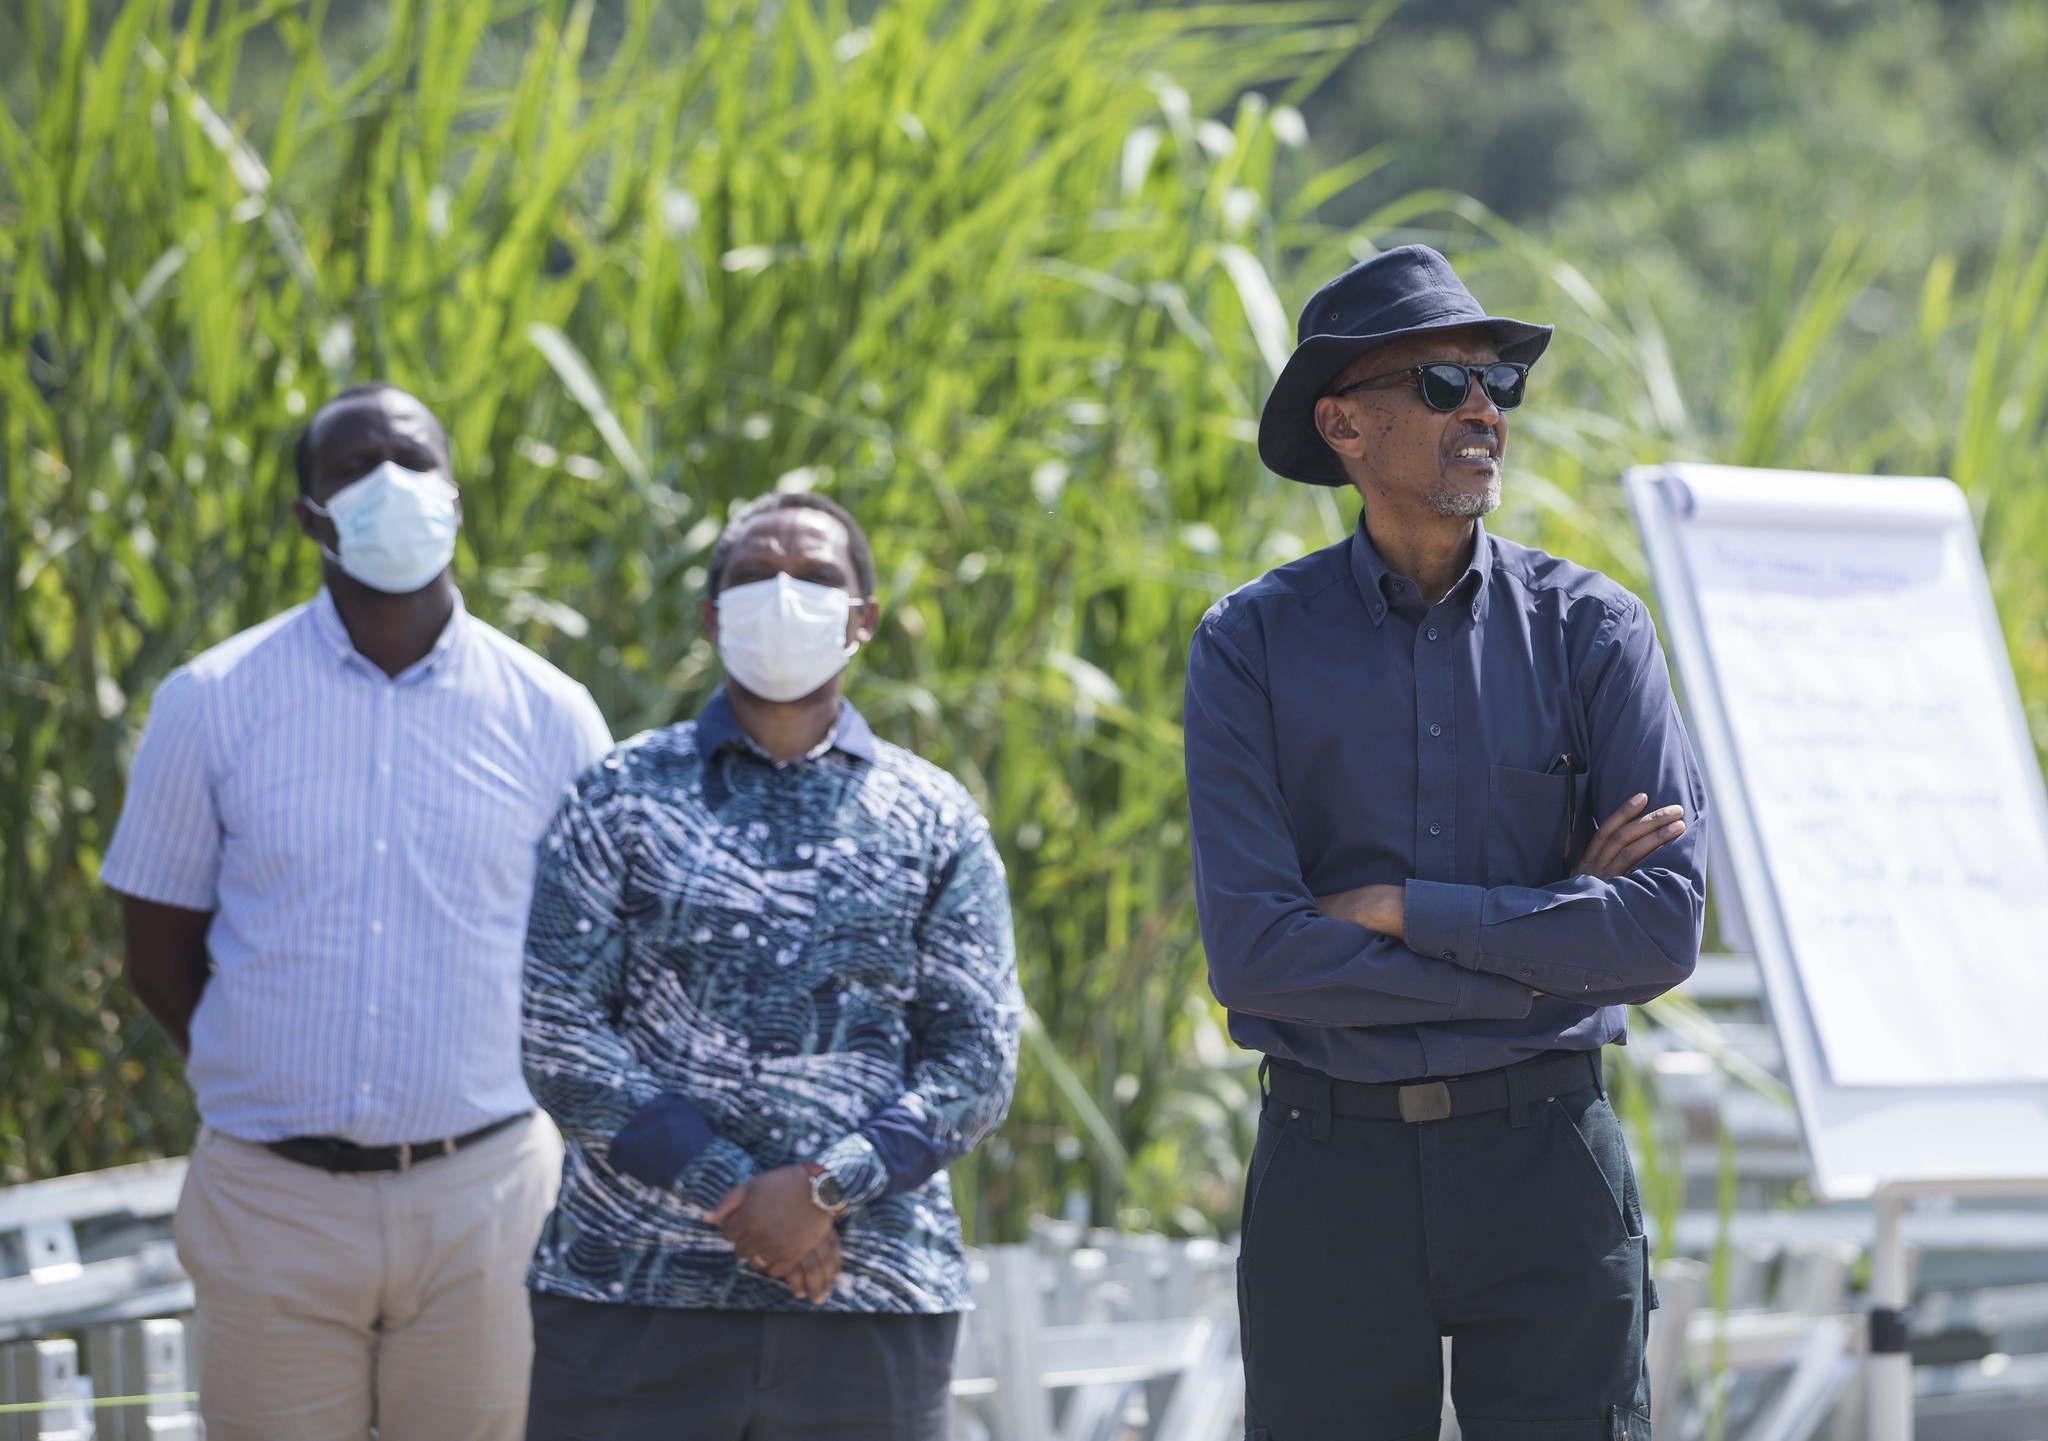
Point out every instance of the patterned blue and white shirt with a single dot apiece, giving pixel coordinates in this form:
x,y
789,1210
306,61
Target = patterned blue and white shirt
x,y
733,965
366,845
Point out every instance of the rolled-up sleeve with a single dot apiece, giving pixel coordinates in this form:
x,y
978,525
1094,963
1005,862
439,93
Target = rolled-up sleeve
x,y
1600,942
964,1025
1271,952
578,1064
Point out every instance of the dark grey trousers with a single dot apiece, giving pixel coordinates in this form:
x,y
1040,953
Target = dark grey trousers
x,y
650,1373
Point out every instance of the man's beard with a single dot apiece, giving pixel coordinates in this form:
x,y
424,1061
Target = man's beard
x,y
1446,499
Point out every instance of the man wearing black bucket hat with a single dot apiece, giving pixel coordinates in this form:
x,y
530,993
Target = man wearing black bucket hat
x,y
1397,748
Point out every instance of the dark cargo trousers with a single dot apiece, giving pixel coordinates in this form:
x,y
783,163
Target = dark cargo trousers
x,y
1516,1232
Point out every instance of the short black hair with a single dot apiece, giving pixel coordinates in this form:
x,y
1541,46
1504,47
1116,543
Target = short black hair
x,y
302,453
747,512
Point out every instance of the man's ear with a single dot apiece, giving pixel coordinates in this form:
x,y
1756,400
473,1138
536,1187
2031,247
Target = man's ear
x,y
310,525
862,623
708,612
1339,431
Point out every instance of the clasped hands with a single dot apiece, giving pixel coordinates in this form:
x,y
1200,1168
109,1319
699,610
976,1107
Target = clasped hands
x,y
1620,842
776,1228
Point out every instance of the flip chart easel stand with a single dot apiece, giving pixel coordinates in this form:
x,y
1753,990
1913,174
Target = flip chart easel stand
x,y
1717,538
1890,1365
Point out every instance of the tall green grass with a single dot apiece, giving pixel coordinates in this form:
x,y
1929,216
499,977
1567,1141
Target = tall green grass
x,y
980,270
1010,280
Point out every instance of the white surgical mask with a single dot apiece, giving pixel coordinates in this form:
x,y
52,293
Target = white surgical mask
x,y
396,527
783,638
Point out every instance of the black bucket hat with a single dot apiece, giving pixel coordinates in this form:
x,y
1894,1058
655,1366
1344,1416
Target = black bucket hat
x,y
1405,291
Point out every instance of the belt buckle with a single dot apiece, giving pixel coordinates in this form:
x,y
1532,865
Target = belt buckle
x,y
1429,1101
404,1157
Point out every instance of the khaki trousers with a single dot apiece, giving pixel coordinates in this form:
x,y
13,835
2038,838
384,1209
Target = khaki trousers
x,y
332,1304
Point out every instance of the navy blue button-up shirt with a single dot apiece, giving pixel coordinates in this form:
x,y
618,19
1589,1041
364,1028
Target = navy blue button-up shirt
x,y
1342,733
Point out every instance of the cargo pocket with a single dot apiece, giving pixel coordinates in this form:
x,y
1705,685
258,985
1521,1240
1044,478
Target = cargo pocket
x,y
1244,1349
1628,1424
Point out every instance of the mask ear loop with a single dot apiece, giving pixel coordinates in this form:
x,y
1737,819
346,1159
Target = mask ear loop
x,y
853,646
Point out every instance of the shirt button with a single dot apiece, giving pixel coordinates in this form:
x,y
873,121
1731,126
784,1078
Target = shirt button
x,y
1432,632
1435,829
371,1008
1527,974
379,846
377,927
364,1088
1436,730
1475,610
1450,955
384,768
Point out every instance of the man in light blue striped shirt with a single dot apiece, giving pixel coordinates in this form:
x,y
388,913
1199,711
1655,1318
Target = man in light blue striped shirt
x,y
326,858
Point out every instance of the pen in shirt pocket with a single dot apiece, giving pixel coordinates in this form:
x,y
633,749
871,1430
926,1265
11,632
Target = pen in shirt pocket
x,y
1570,768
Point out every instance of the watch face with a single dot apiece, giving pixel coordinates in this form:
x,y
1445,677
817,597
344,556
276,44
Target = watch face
x,y
828,1193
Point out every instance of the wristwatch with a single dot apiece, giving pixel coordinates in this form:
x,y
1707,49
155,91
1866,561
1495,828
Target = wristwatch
x,y
825,1192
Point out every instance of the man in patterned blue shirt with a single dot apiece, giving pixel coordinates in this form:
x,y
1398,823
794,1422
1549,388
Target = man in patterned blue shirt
x,y
770,993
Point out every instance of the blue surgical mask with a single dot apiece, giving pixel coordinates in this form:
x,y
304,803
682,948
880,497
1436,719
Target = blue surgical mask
x,y
395,527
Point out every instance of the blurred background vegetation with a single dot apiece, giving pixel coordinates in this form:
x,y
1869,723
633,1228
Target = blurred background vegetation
x,y
1009,280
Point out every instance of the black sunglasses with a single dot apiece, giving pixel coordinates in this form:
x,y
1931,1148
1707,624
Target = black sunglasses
x,y
1445,383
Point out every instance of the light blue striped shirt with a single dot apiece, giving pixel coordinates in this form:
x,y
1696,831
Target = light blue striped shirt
x,y
366,845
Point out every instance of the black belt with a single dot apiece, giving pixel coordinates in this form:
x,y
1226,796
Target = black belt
x,y
330,1153
1541,1078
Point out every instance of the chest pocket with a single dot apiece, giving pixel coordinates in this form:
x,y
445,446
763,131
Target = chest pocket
x,y
474,845
280,812
869,902
1525,826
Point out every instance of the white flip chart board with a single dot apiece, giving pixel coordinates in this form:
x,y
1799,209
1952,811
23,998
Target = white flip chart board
x,y
1881,803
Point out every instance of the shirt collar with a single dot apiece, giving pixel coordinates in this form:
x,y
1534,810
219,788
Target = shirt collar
x,y
717,729
1377,585
327,620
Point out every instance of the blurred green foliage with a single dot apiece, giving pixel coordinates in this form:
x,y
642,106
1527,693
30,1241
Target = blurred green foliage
x,y
1735,115
1008,280
1683,151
